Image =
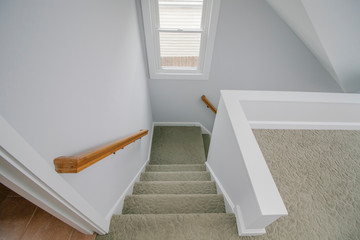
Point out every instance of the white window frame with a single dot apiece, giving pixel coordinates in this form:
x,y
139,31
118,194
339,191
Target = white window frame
x,y
151,28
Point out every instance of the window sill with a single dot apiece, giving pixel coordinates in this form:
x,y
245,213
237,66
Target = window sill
x,y
179,76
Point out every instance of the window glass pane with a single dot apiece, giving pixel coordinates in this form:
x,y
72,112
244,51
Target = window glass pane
x,y
179,49
180,14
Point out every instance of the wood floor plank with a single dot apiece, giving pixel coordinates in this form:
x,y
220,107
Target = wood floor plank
x,y
44,226
15,214
80,236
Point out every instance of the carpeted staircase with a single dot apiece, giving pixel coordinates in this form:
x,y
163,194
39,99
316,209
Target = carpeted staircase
x,y
175,198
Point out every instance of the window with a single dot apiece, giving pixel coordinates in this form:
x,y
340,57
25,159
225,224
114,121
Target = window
x,y
180,37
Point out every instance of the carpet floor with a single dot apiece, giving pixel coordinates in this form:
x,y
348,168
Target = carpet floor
x,y
317,173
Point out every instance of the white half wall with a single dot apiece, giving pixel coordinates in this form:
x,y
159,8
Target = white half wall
x,y
254,50
240,168
300,110
235,157
72,77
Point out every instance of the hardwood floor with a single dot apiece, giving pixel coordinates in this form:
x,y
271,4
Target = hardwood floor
x,y
22,220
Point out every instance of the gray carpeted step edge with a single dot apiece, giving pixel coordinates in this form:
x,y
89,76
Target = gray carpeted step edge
x,y
209,226
175,167
175,187
175,176
173,203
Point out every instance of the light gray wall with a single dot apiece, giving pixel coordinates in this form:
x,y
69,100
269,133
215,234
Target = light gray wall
x,y
337,23
73,76
254,50
296,16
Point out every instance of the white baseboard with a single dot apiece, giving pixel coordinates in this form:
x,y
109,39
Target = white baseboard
x,y
150,145
229,205
204,130
304,125
232,208
117,208
243,231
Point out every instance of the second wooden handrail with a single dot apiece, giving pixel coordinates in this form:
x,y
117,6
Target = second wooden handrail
x,y
77,163
208,104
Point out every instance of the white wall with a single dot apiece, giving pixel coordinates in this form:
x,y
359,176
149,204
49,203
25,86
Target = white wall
x,y
73,76
337,24
296,16
254,50
330,29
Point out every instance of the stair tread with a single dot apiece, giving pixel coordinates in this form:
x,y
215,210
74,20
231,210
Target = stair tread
x,y
173,203
175,176
177,145
175,187
208,226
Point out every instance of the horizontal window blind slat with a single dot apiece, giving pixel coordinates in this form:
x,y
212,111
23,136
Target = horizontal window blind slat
x,y
183,15
179,44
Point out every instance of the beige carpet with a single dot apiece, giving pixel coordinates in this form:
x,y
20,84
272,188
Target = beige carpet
x,y
175,198
318,176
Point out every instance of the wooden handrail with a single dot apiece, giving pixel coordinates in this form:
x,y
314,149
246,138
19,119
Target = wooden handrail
x,y
208,104
77,163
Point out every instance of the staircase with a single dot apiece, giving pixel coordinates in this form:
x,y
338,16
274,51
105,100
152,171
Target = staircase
x,y
175,198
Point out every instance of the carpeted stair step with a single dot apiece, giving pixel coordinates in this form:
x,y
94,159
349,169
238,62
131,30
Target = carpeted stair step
x,y
172,187
175,176
175,198
175,167
209,226
173,203
177,145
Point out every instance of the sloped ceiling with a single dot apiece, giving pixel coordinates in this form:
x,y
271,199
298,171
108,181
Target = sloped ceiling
x,y
331,30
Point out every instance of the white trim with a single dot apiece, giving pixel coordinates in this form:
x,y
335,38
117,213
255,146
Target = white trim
x,y
231,208
24,183
204,130
304,125
229,205
242,230
38,182
150,16
117,208
286,96
150,145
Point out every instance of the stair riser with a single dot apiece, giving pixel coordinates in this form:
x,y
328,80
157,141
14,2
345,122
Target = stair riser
x,y
174,188
175,168
158,176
